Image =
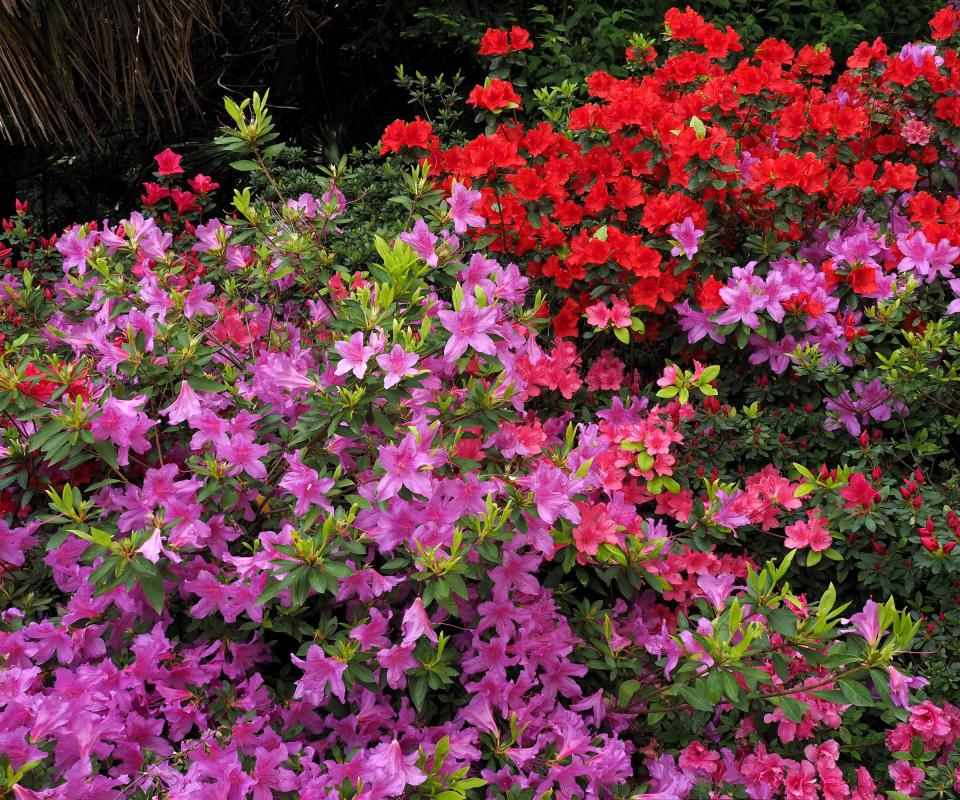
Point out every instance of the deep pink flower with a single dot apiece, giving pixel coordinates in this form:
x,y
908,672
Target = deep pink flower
x,y
462,202
319,672
397,364
469,327
168,162
305,484
354,355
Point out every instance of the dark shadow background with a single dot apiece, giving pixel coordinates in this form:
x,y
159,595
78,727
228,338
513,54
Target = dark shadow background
x,y
330,67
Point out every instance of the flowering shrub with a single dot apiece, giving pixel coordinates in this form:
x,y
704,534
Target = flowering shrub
x,y
287,517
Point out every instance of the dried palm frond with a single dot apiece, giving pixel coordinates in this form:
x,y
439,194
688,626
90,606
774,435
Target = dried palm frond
x,y
69,69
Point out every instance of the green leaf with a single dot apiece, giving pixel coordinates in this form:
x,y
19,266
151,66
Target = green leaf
x,y
856,693
418,691
245,165
627,690
696,700
199,384
152,586
793,709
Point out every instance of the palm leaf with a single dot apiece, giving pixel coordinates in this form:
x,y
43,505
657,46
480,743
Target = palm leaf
x,y
69,71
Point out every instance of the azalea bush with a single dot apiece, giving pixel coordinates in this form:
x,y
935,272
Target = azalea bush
x,y
749,210
606,456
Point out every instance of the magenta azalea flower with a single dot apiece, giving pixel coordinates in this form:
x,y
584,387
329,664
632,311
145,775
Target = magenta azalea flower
x,y
462,201
319,672
401,464
354,355
243,455
397,364
469,328
305,484
687,236
422,240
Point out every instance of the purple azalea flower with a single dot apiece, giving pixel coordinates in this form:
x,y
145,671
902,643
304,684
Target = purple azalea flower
x,y
717,588
305,484
776,353
76,248
422,240
954,307
469,327
866,623
552,492
744,301
211,236
900,686
687,236
196,301
462,202
917,253
354,355
697,324
397,364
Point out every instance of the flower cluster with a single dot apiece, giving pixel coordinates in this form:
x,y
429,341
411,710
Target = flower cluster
x,y
274,527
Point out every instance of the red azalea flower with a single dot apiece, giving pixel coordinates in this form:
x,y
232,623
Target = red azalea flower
x,y
859,493
168,162
520,39
944,23
184,201
154,193
496,95
400,134
494,43
202,184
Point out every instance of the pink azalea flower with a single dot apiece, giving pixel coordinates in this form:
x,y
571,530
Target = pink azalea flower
x,y
354,356
416,623
243,455
397,364
687,236
305,484
809,533
196,301
185,407
906,778
598,314
469,327
422,240
397,661
462,201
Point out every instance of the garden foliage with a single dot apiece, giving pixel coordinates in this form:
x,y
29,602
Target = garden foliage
x,y
609,453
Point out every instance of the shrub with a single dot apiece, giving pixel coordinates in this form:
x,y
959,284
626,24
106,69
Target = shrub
x,y
287,515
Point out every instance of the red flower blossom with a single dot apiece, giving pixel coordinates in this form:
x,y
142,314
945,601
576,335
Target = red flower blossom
x,y
859,493
168,163
400,134
202,184
496,95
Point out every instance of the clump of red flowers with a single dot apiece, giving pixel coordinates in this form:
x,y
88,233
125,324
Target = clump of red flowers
x,y
498,42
